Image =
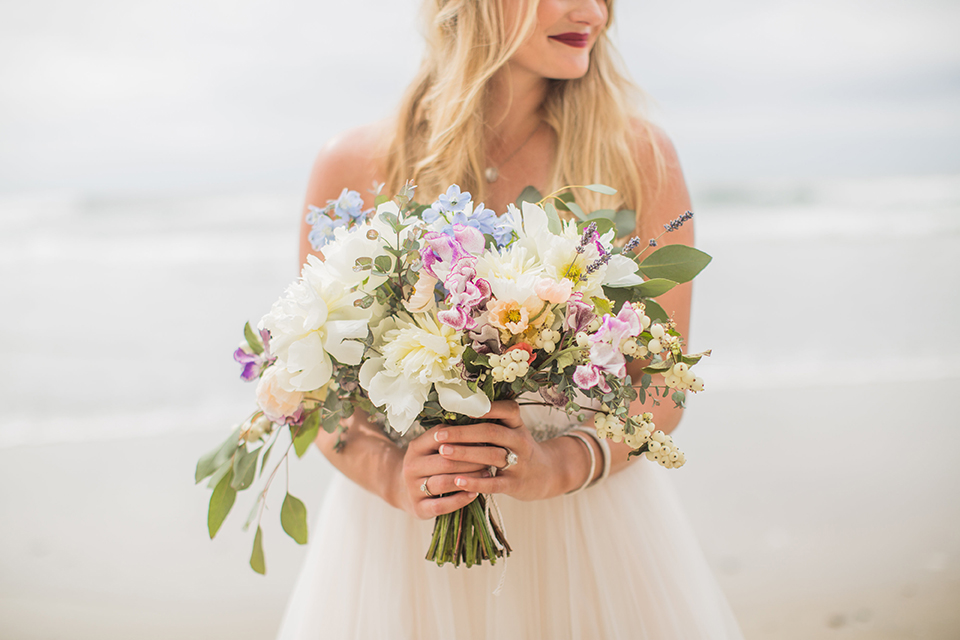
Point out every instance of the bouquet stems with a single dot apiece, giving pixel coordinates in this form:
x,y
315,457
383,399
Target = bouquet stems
x,y
467,536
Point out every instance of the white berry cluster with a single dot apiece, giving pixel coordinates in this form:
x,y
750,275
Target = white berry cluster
x,y
510,366
662,450
661,339
681,377
254,431
614,429
547,340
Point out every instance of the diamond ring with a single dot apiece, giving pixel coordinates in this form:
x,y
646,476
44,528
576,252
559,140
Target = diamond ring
x,y
423,487
512,459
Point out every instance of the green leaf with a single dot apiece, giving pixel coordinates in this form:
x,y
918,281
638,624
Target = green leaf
x,y
308,433
565,361
601,214
253,512
657,367
575,209
603,225
529,194
676,262
266,454
626,221
244,468
645,380
654,287
215,459
679,398
293,518
380,199
384,263
553,218
655,311
253,340
602,305
256,558
617,296
693,358
601,188
221,501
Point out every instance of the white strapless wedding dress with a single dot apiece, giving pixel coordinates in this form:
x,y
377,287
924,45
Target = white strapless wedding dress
x,y
617,561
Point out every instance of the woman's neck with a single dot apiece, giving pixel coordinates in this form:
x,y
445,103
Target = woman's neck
x,y
513,106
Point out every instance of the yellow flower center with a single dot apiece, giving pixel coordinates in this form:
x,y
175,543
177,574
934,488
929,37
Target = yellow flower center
x,y
513,316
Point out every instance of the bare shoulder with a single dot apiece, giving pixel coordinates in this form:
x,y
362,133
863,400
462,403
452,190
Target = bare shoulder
x,y
665,194
349,160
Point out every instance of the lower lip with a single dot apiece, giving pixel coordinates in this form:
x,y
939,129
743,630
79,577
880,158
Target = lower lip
x,y
579,43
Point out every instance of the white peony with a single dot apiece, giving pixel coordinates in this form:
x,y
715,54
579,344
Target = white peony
x,y
315,319
418,352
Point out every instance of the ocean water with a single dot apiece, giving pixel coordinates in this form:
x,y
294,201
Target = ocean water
x,y
120,315
822,456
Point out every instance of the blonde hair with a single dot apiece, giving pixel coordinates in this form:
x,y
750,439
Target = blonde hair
x,y
439,135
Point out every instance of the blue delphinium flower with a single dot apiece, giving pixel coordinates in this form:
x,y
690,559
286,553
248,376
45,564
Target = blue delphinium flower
x,y
349,206
453,200
323,226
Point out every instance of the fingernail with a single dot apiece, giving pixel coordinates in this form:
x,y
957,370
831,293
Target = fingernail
x,y
486,474
461,482
472,495
440,436
446,450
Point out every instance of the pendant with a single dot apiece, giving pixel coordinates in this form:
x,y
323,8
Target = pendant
x,y
491,174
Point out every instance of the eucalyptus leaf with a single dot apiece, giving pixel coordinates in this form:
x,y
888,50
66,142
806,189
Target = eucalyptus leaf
x,y
380,199
575,209
679,398
221,501
384,263
657,367
256,558
603,225
293,518
601,188
617,296
606,214
214,459
676,262
529,194
244,468
655,311
553,218
626,221
253,340
654,287
266,454
307,434
693,358
219,473
253,512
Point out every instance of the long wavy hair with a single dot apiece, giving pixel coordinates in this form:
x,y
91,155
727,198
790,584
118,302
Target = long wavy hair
x,y
438,137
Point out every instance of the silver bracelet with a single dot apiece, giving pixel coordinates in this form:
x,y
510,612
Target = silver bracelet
x,y
604,451
593,461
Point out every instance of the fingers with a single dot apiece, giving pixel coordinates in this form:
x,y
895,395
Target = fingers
x,y
486,456
472,484
485,433
433,507
439,485
507,412
435,465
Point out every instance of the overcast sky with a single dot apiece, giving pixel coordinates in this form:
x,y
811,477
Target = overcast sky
x,y
107,96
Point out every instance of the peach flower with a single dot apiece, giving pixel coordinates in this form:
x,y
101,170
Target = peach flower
x,y
514,316
554,292
276,402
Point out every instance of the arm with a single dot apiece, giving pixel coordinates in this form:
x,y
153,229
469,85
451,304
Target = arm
x,y
369,458
560,465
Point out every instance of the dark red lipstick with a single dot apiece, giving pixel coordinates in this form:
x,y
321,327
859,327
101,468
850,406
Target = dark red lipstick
x,y
573,39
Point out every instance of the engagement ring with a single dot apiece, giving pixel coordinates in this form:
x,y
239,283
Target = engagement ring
x,y
423,487
512,459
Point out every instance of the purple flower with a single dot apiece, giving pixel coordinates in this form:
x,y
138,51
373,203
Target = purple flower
x,y
253,363
457,317
579,313
588,376
453,200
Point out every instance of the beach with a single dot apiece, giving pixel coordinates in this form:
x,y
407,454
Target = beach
x,y
822,456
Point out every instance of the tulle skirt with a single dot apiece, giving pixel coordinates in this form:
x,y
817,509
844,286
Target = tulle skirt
x,y
617,561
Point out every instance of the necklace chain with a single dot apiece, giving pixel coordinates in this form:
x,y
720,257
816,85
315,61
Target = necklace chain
x,y
491,173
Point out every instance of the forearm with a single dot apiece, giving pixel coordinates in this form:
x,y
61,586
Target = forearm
x,y
368,458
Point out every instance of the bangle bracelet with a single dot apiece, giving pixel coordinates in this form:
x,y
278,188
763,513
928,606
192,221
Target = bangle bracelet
x,y
604,452
593,461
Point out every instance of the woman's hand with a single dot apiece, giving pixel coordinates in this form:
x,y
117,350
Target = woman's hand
x,y
538,473
422,463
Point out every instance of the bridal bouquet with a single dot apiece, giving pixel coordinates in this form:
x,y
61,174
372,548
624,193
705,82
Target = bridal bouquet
x,y
424,314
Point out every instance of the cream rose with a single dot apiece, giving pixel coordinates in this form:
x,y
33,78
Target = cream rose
x,y
276,402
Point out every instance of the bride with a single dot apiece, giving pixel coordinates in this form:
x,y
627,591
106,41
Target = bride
x,y
511,93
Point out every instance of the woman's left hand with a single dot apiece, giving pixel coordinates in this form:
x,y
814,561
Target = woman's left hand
x,y
534,476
